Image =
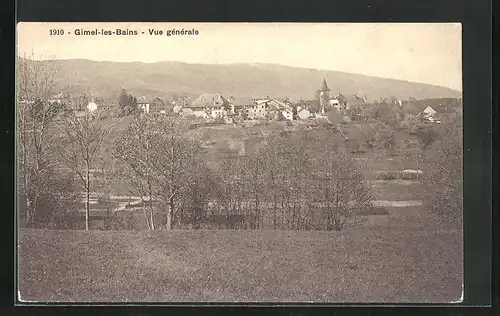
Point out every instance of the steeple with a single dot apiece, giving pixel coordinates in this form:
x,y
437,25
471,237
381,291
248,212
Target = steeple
x,y
324,86
324,96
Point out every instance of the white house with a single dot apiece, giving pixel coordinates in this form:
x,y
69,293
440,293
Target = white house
x,y
144,107
429,111
430,115
92,106
258,109
335,103
177,107
287,114
303,113
143,104
210,105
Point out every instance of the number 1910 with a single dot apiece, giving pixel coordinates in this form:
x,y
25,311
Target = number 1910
x,y
57,32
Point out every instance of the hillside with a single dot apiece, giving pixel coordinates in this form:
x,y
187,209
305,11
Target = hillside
x,y
164,79
377,263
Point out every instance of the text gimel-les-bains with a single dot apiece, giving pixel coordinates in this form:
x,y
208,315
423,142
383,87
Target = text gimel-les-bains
x,y
169,32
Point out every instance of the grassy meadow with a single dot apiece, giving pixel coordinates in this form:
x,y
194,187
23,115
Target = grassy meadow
x,y
401,257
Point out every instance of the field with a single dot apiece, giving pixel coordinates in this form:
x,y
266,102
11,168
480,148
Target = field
x,y
402,257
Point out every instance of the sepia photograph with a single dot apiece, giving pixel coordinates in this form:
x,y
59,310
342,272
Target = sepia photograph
x,y
239,163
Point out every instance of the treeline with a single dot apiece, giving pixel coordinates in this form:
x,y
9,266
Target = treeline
x,y
297,181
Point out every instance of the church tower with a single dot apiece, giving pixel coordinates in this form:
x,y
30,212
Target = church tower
x,y
323,95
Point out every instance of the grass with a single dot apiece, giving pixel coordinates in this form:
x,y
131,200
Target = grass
x,y
402,257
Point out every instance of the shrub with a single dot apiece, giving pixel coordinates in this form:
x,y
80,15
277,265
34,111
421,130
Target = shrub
x,y
443,181
426,137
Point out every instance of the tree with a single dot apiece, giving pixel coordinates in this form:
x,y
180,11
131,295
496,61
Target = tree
x,y
36,117
376,135
334,117
230,204
253,179
170,155
127,103
443,179
410,122
197,198
135,150
123,99
355,113
179,153
299,168
386,112
81,142
274,174
340,190
426,137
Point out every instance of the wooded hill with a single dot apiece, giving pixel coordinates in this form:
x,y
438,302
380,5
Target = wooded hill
x,y
165,79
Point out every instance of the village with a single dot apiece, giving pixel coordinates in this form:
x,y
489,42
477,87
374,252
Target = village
x,y
220,109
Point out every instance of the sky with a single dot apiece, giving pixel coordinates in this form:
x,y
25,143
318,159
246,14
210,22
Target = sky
x,y
420,52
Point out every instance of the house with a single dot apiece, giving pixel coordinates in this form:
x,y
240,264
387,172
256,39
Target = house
x,y
430,114
429,111
287,114
60,98
347,102
179,103
334,102
78,102
157,105
240,106
303,113
210,105
258,110
143,104
262,109
92,106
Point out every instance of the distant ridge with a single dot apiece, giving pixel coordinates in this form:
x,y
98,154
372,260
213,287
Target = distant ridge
x,y
165,79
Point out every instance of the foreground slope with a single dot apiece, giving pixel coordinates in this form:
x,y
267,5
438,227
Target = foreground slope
x,y
394,259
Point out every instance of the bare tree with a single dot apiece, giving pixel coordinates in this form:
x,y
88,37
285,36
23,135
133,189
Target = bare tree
x,y
254,166
287,159
36,115
135,150
443,179
82,139
194,206
340,189
231,204
274,165
176,152
376,135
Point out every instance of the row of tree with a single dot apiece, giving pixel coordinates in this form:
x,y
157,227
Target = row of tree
x,y
297,181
